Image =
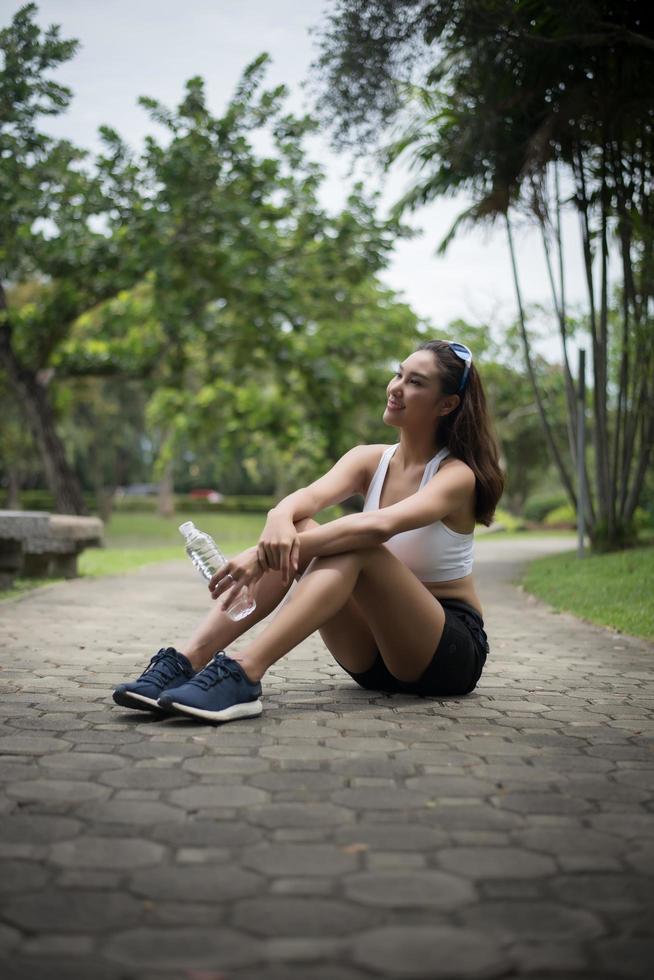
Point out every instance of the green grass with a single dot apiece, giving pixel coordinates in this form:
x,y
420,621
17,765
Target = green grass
x,y
610,590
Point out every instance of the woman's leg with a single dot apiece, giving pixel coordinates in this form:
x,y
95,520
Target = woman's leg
x,y
217,630
405,619
346,634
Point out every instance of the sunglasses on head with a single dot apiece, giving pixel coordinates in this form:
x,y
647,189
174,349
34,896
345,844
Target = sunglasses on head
x,y
466,355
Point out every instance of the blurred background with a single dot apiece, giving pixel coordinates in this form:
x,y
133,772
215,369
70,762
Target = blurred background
x,y
222,225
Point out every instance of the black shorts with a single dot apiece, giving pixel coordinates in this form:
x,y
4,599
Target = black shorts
x,y
455,667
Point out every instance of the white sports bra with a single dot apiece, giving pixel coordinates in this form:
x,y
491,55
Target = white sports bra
x,y
435,553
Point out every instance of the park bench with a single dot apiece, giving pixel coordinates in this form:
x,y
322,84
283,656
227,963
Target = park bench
x,y
35,544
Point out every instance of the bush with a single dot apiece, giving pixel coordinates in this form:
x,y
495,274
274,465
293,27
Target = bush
x,y
43,500
509,521
242,504
540,504
563,516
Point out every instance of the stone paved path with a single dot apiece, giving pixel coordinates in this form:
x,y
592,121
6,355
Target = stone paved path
x,y
341,835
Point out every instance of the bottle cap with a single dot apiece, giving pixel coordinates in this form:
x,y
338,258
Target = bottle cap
x,y
187,528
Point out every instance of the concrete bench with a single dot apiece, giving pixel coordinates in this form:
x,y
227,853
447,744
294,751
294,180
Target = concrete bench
x,y
35,544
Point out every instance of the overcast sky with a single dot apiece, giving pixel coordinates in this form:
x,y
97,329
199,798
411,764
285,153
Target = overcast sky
x,y
151,47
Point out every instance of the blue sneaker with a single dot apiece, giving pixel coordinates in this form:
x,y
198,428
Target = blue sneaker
x,y
221,691
167,669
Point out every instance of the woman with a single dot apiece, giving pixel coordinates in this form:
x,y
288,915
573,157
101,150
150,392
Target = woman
x,y
390,589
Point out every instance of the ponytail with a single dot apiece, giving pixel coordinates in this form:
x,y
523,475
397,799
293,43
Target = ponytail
x,y
468,430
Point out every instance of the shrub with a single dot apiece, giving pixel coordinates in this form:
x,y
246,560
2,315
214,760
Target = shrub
x,y
242,504
44,500
509,521
540,504
563,516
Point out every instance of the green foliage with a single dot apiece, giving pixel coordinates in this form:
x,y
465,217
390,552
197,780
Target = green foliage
x,y
562,516
509,521
540,504
529,109
44,500
219,314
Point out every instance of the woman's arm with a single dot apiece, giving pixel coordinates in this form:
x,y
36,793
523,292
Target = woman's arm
x,y
444,493
297,505
343,534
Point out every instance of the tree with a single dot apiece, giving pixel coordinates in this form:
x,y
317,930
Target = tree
x,y
49,206
260,325
529,108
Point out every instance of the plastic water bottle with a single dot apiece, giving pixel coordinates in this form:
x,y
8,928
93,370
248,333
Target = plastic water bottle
x,y
208,559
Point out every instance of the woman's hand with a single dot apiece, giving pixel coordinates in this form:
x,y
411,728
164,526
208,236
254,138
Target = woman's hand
x,y
279,546
244,570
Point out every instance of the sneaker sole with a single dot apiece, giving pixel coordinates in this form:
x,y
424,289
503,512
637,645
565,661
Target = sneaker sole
x,y
248,709
130,700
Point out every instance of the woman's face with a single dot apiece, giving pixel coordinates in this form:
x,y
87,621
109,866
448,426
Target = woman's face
x,y
411,392
414,393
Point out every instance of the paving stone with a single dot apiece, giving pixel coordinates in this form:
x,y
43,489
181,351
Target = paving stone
x,y
57,791
419,888
195,797
392,837
300,859
146,779
306,916
548,959
69,911
126,812
495,862
542,803
109,852
35,828
303,886
82,878
207,833
430,952
66,967
452,786
470,816
21,876
567,841
541,921
628,956
31,745
287,971
84,761
9,938
210,883
380,799
221,765
55,945
337,815
185,948
298,815
604,891
298,782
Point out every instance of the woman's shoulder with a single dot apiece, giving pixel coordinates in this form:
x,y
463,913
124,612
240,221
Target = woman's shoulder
x,y
460,466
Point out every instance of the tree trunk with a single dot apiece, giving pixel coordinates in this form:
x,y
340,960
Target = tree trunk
x,y
13,487
34,401
166,500
549,435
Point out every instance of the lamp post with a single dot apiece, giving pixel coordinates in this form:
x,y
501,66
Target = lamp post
x,y
581,454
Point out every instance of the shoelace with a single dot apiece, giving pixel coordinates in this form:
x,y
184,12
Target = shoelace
x,y
163,667
215,671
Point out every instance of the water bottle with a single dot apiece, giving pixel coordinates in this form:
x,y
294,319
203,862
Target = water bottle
x,y
208,558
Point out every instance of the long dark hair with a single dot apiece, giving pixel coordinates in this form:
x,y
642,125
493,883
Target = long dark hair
x,y
468,430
